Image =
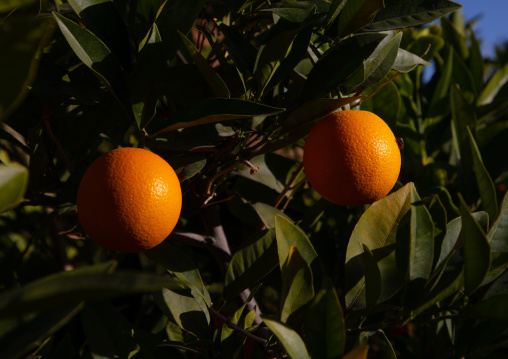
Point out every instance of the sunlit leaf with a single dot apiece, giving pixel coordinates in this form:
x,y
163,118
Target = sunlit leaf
x,y
495,83
13,184
360,352
407,61
376,229
290,340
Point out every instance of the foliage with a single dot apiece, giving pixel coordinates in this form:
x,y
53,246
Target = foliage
x,y
259,265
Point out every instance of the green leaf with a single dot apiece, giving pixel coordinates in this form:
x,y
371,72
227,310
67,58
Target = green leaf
x,y
401,14
95,55
176,19
376,229
267,213
324,329
476,64
103,19
107,331
373,282
251,263
477,251
484,181
290,340
217,110
188,165
335,8
442,88
84,283
407,61
359,352
20,337
215,82
338,63
454,37
271,56
498,232
10,5
22,37
293,14
231,340
358,14
386,103
297,284
288,235
463,117
494,85
421,253
179,264
186,309
379,64
493,308
13,185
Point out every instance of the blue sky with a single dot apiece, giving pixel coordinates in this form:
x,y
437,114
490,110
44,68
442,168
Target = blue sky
x,y
492,25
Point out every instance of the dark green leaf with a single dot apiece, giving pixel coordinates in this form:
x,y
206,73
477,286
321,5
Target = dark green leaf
x,y
386,103
241,50
179,264
65,349
454,37
251,263
373,282
477,251
476,63
335,8
290,340
186,309
358,14
102,18
271,56
484,181
10,5
13,184
176,18
107,331
421,253
493,308
23,336
338,63
325,330
379,64
400,14
443,86
22,37
293,14
217,85
84,283
463,117
188,165
376,229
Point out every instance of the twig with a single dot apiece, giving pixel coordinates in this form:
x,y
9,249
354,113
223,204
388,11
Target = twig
x,y
293,191
289,186
235,327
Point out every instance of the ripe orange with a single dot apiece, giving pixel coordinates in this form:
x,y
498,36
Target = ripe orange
x,y
129,200
352,158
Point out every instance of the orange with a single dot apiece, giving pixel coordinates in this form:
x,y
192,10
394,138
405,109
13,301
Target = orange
x,y
129,200
352,158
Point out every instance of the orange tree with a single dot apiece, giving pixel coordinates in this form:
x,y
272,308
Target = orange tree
x,y
258,265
